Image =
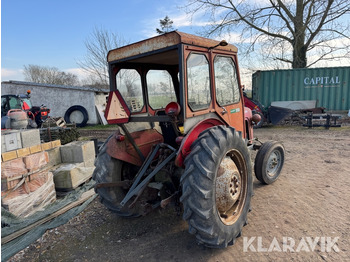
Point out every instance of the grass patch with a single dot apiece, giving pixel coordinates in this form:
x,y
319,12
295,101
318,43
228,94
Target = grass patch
x,y
98,127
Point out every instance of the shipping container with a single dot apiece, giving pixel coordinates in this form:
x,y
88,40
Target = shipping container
x,y
330,86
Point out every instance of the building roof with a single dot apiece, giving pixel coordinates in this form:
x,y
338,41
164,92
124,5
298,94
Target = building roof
x,y
81,88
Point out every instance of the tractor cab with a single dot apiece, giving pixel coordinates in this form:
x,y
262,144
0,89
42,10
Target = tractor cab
x,y
9,102
178,82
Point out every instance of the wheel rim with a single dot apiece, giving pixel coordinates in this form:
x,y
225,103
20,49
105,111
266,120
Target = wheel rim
x,y
273,163
231,187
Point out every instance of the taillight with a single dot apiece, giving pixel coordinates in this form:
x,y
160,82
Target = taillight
x,y
44,113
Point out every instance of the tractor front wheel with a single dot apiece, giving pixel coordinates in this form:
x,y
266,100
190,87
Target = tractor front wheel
x,y
217,186
269,162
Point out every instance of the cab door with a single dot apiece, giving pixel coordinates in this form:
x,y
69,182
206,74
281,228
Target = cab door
x,y
227,92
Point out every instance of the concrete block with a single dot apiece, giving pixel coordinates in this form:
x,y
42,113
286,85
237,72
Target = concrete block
x,y
3,145
89,163
10,140
78,151
30,137
70,176
54,156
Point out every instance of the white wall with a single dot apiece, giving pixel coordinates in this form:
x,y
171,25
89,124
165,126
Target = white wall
x,y
58,98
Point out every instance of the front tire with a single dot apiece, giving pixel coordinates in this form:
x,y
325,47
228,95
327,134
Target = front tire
x,y
269,162
217,186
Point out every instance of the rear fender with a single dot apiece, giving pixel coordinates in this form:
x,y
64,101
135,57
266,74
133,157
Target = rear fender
x,y
185,147
122,149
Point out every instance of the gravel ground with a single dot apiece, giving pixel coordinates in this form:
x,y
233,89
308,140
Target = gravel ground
x,y
308,204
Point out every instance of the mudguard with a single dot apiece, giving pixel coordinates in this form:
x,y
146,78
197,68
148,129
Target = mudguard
x,y
185,147
122,149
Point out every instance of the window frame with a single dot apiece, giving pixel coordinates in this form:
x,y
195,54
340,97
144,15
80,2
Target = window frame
x,y
237,80
141,89
210,81
148,89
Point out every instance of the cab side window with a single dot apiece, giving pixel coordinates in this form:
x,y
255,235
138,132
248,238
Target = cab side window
x,y
129,85
160,88
198,82
226,81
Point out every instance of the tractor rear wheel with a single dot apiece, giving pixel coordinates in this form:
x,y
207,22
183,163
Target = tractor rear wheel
x,y
217,187
108,170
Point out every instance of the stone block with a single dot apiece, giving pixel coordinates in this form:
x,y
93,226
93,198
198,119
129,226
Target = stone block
x,y
30,137
70,176
78,151
54,156
11,173
10,140
36,161
13,168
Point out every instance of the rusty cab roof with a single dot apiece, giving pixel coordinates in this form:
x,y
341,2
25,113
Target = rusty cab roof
x,y
165,43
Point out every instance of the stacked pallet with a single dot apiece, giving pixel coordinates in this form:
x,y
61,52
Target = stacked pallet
x,y
27,184
30,176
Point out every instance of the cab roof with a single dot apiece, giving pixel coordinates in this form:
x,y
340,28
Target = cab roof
x,y
164,41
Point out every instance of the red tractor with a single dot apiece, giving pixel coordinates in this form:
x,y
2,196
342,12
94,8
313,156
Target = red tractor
x,y
183,137
15,103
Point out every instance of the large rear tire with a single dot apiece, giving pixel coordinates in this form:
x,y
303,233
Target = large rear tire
x,y
217,187
108,170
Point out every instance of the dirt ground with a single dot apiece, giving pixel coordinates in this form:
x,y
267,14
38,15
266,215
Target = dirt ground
x,y
309,204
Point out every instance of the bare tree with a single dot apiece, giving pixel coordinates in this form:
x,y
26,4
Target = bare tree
x,y
97,45
286,30
166,25
49,75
